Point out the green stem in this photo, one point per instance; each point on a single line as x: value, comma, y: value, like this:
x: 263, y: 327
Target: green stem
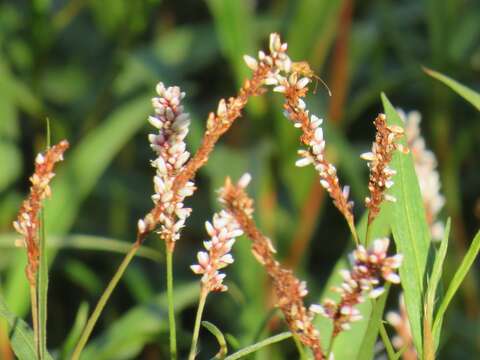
x: 301, y: 350
x: 103, y: 301
x: 198, y: 320
x: 171, y: 308
x: 33, y: 299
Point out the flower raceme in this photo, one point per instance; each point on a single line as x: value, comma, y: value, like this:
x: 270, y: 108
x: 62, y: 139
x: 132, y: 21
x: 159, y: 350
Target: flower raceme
x: 28, y: 222
x: 371, y: 269
x: 289, y: 290
x: 169, y: 145
x: 222, y: 231
x: 291, y: 80
x: 379, y: 159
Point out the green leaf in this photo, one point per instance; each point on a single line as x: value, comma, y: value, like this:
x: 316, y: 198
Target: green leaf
x: 21, y: 335
x: 435, y: 278
x: 462, y: 271
x: 468, y: 94
x: 75, y: 331
x: 220, y: 338
x: 259, y: 345
x: 410, y: 231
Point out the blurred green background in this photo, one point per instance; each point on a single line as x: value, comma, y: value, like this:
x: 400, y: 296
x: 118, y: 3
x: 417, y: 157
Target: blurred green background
x: 91, y: 68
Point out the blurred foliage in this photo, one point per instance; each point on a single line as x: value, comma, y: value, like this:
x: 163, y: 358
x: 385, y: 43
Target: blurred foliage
x: 91, y: 67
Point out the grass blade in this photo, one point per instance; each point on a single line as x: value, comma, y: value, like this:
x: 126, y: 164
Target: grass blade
x: 410, y: 231
x: 220, y: 338
x: 86, y: 243
x: 434, y: 281
x: 21, y: 335
x: 468, y: 94
x: 75, y: 331
x: 259, y: 345
x: 462, y: 271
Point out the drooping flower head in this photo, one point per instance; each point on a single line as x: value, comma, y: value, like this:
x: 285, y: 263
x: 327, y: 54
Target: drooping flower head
x: 28, y: 222
x: 290, y: 291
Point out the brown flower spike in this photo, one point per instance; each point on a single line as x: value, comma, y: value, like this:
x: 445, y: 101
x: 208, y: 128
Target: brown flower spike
x: 378, y: 160
x: 28, y: 222
x: 289, y: 290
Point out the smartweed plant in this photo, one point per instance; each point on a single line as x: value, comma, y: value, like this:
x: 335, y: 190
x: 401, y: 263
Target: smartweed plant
x: 399, y: 241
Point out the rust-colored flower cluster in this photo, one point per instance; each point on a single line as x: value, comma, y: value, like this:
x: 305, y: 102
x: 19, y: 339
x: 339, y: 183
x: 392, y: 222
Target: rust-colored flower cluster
x: 370, y: 270
x: 174, y: 168
x: 378, y: 160
x: 28, y: 222
x: 222, y: 231
x: 288, y: 289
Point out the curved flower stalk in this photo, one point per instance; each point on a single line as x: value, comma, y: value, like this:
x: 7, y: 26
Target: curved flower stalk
x: 291, y: 79
x: 403, y: 338
x: 371, y: 269
x: 378, y: 160
x: 222, y: 231
x: 288, y: 289
x: 425, y: 164
x: 28, y: 222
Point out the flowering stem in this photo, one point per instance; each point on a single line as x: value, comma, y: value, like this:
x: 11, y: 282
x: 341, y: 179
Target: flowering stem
x: 33, y: 299
x: 198, y: 320
x: 171, y: 309
x: 330, y: 345
x: 87, y: 331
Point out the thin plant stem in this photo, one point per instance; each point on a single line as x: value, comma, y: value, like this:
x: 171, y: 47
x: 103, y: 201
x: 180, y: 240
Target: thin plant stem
x: 171, y: 307
x: 387, y: 342
x: 198, y: 320
x: 87, y: 331
x: 301, y: 350
x: 330, y: 345
x: 33, y: 299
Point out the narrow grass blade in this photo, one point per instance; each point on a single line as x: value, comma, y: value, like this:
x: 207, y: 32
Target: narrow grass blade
x: 261, y: 344
x: 75, y: 331
x: 21, y: 335
x: 462, y: 271
x: 386, y: 342
x: 468, y: 94
x: 410, y: 231
x: 86, y: 243
x: 222, y: 352
x: 434, y: 281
